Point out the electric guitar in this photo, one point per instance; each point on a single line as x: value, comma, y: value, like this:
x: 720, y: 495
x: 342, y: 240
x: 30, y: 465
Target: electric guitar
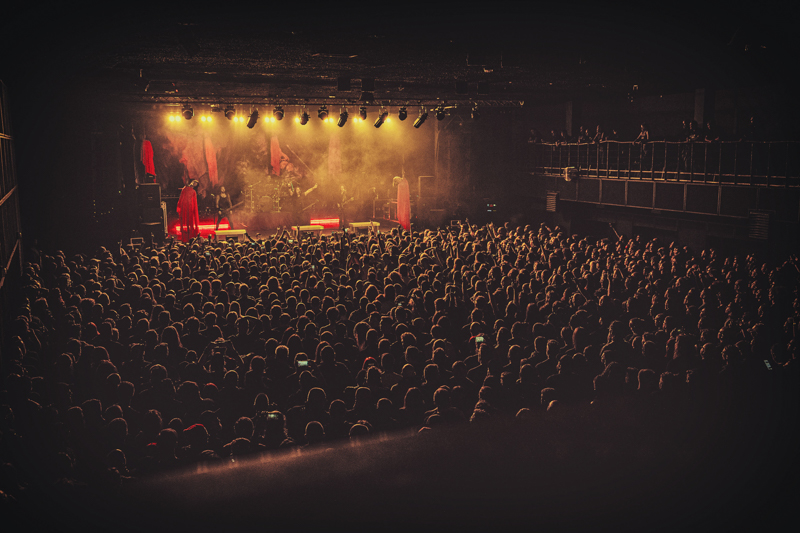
x: 224, y: 212
x: 341, y: 205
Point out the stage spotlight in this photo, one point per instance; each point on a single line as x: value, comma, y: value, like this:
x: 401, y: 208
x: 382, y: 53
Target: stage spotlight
x: 304, y: 118
x: 187, y: 112
x: 402, y: 113
x: 278, y: 113
x: 322, y: 113
x: 381, y: 118
x: 440, y: 113
x: 253, y: 119
x: 230, y: 113
x: 362, y: 112
x: 342, y: 118
x: 423, y: 116
x: 475, y: 113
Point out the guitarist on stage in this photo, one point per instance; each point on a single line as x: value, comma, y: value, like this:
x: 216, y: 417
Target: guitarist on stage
x: 342, y: 204
x: 224, y: 207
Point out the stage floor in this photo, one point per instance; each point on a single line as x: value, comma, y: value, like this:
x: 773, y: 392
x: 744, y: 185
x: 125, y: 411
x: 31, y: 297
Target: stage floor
x: 264, y: 224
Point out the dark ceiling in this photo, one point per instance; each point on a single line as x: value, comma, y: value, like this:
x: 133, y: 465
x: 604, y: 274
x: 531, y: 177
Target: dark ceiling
x: 503, y: 54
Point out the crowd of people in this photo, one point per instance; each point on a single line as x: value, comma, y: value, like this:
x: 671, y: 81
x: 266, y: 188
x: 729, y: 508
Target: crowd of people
x: 135, y: 361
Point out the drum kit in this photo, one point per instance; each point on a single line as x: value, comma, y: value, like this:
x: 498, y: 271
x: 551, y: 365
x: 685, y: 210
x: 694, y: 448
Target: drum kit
x: 268, y: 193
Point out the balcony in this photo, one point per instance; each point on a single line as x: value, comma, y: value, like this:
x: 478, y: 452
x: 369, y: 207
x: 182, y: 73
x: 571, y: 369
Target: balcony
x: 728, y: 179
x: 767, y: 164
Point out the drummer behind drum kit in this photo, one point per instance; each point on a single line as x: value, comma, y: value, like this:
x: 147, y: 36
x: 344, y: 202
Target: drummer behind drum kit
x: 266, y: 194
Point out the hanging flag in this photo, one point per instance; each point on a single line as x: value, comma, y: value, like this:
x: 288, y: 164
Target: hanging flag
x: 211, y: 161
x: 403, y: 203
x: 147, y: 158
x: 275, y: 155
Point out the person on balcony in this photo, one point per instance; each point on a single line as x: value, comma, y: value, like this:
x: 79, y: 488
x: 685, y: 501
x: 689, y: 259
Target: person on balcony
x: 599, y: 138
x: 710, y: 134
x: 644, y: 135
x: 751, y: 132
x: 643, y: 138
x: 534, y: 137
x: 694, y: 134
x: 599, y: 135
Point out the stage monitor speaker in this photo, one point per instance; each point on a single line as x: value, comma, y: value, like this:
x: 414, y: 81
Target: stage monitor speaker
x: 427, y: 186
x: 149, y: 195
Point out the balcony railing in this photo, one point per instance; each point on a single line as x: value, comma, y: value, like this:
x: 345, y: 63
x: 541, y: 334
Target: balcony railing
x: 772, y: 163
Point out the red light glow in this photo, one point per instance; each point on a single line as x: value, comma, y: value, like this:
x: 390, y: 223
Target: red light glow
x: 326, y: 223
x: 207, y: 227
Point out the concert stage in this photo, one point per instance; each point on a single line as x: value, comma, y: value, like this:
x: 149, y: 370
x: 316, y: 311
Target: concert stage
x: 270, y: 222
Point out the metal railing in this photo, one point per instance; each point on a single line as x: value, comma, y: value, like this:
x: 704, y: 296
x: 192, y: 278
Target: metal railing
x: 769, y: 163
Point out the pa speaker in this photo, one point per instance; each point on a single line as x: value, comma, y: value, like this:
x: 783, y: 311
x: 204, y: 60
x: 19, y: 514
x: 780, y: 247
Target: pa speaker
x: 150, y: 195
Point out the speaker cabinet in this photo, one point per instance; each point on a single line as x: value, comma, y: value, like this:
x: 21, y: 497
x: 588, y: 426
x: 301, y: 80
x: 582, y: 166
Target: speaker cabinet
x: 149, y: 195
